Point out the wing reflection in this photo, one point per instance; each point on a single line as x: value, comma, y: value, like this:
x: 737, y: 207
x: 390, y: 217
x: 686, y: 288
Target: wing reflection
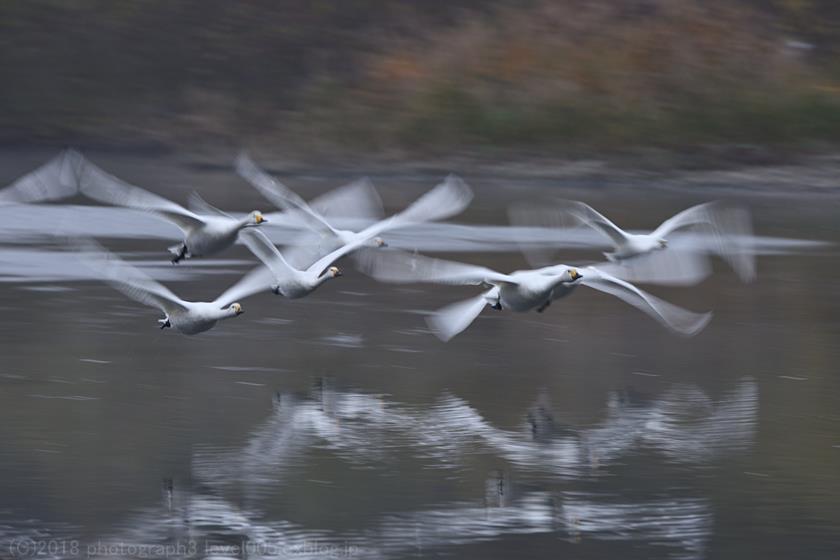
x: 683, y: 424
x: 211, y: 525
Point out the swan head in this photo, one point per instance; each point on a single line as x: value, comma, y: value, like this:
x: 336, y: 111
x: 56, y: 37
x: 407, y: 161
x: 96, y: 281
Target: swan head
x: 379, y: 242
x: 236, y: 309
x: 256, y: 218
x: 574, y: 275
x: 334, y: 272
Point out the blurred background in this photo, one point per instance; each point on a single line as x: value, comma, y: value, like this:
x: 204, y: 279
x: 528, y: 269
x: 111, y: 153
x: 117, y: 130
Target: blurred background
x: 437, y: 77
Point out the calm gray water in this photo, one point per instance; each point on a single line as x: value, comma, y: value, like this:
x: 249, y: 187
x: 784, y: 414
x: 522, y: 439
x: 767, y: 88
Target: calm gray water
x: 337, y: 427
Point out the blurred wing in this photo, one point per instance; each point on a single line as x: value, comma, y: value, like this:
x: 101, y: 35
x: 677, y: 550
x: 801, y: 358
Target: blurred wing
x: 731, y: 236
x: 730, y: 228
x: 447, y: 199
x: 279, y: 194
x: 700, y: 214
x: 673, y: 267
x: 304, y: 249
x: 452, y: 319
x: 400, y: 267
x: 58, y: 178
x: 127, y: 279
x: 264, y: 249
x: 201, y: 206
x: 357, y: 200
x: 548, y: 217
x: 321, y: 264
x: 675, y: 318
x: 257, y: 280
x: 596, y: 220
x: 95, y: 183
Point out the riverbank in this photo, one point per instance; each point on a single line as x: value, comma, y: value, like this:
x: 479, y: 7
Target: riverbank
x: 739, y: 170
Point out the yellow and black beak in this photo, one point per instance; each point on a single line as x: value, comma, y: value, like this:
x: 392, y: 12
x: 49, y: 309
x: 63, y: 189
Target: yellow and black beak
x: 260, y: 219
x: 574, y: 274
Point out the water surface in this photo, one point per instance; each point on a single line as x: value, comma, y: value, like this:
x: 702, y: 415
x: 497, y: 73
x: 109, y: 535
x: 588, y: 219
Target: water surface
x: 338, y: 426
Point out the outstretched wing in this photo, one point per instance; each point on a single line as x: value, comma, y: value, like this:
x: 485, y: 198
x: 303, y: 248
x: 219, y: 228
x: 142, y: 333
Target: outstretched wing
x: 452, y: 319
x: 200, y: 206
x: 58, y: 178
x: 535, y: 219
x: 729, y: 226
x: 262, y: 247
x: 95, y: 183
x: 677, y: 319
x: 127, y: 279
x: 358, y: 201
x: 257, y: 280
x: 595, y: 219
x: 446, y: 199
x: 696, y: 215
x: 279, y: 194
x: 402, y: 268
x: 674, y: 267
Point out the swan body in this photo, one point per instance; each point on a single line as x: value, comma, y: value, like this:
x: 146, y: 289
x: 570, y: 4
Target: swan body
x: 724, y: 227
x: 186, y: 317
x: 532, y: 289
x: 287, y: 280
x: 292, y: 282
x: 724, y: 223
x: 214, y: 234
x: 207, y: 230
x: 519, y: 291
x: 447, y: 199
x: 627, y: 245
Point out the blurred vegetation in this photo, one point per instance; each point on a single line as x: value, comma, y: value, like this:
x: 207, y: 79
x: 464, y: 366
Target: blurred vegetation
x: 437, y: 75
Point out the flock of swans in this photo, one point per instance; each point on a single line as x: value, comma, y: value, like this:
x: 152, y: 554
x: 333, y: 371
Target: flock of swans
x: 309, y: 255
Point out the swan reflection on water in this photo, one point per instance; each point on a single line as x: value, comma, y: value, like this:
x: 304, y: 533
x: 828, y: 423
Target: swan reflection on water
x: 534, y: 495
x: 683, y: 424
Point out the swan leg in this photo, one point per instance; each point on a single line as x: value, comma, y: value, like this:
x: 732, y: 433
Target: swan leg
x: 164, y: 323
x: 544, y: 306
x: 180, y: 254
x: 494, y: 299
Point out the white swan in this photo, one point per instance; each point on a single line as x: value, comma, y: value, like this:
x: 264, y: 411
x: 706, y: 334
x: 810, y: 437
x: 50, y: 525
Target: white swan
x: 292, y: 282
x: 521, y: 290
x: 54, y: 180
x: 449, y: 198
x: 281, y: 196
x: 206, y: 231
x: 724, y: 223
x: 187, y: 317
